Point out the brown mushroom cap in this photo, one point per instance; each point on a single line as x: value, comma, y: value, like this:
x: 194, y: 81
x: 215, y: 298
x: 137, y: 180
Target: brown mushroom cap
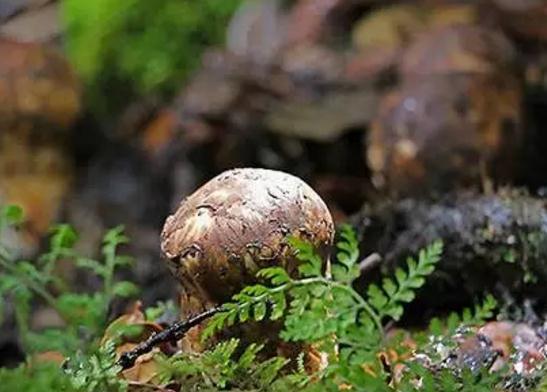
x: 235, y: 224
x: 524, y: 18
x: 39, y: 101
x: 463, y: 48
x: 37, y: 84
x: 438, y: 133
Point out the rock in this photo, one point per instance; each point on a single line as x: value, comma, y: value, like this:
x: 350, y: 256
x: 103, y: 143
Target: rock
x: 491, y: 242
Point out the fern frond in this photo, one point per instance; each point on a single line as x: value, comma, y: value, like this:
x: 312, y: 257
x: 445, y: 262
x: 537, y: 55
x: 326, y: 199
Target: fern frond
x: 389, y: 299
x: 479, y: 315
x: 345, y: 267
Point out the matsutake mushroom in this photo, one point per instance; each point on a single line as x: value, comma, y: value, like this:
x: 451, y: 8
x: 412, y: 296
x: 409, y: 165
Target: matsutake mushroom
x: 446, y: 132
x: 39, y: 102
x: 525, y: 18
x: 234, y: 225
x: 38, y: 88
x: 455, y: 119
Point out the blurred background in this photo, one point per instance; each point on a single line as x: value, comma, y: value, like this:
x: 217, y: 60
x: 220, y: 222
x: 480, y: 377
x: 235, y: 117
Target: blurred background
x: 113, y: 111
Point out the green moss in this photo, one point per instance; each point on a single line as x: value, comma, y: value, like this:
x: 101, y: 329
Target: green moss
x: 141, y: 46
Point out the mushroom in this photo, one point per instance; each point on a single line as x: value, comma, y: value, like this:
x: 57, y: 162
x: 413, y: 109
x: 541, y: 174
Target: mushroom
x: 525, y: 18
x: 446, y: 132
x: 455, y: 119
x: 38, y: 88
x: 236, y: 224
x: 39, y: 102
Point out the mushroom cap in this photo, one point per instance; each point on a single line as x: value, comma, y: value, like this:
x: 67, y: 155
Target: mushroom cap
x: 434, y: 134
x: 37, y: 84
x: 237, y: 223
x: 460, y: 48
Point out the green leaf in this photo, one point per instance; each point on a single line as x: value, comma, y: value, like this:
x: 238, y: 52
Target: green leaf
x: 388, y: 300
x: 125, y: 289
x: 244, y: 313
x: 83, y: 310
x: 376, y: 297
x: 406, y: 296
x: 279, y: 304
x: 486, y: 311
x: 259, y: 311
x: 467, y: 317
x: 453, y: 321
x: 215, y: 324
x: 40, y: 377
x: 63, y: 237
x: 311, y: 264
x: 123, y: 261
x: 249, y: 355
x: 153, y: 313
x: 115, y: 236
x: 276, y: 275
x: 8, y: 283
x: 29, y: 271
x: 269, y: 370
x: 117, y: 331
x: 93, y: 265
x: 11, y: 215
x: 401, y: 276
x: 389, y: 287
x: 435, y: 326
x: 53, y: 340
x: 395, y: 312
x: 345, y: 268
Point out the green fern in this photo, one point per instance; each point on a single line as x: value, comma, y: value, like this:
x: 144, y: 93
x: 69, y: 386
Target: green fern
x: 480, y: 313
x: 314, y: 305
x: 448, y: 381
x: 542, y: 385
x: 324, y: 310
x: 96, y: 372
x: 221, y: 368
x: 84, y: 314
x: 316, y: 308
x: 40, y: 377
x: 388, y: 301
x: 346, y: 269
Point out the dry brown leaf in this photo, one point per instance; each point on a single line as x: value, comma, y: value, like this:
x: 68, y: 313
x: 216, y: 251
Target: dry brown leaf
x: 49, y: 356
x: 134, y: 316
x: 159, y: 133
x: 145, y: 370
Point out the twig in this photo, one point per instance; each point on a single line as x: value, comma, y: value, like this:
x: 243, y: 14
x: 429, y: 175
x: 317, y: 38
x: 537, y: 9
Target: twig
x: 369, y: 262
x: 174, y: 332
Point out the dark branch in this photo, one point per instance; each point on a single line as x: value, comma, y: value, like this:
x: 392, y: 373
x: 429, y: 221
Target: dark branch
x: 173, y: 333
